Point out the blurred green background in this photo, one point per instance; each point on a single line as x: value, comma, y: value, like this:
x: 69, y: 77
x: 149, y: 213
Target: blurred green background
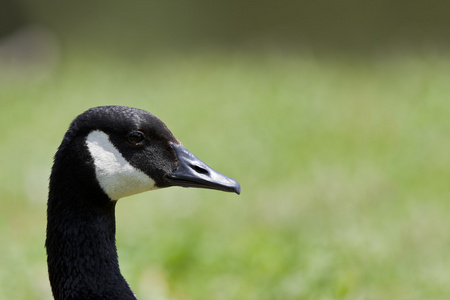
x: 333, y: 115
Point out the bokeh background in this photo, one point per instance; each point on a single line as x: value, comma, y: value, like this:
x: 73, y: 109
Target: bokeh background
x: 333, y: 115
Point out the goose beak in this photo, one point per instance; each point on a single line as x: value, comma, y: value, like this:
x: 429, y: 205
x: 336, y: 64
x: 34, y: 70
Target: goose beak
x: 192, y: 172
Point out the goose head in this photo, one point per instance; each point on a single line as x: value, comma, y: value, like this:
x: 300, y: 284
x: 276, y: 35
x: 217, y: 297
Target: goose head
x: 132, y: 151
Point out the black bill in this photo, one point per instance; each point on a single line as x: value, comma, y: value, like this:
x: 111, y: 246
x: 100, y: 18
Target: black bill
x: 192, y: 172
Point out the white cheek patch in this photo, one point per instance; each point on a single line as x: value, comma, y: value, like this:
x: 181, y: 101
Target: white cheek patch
x: 115, y: 175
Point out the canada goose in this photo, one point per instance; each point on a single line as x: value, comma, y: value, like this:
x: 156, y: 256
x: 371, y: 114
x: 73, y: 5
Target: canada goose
x: 108, y: 153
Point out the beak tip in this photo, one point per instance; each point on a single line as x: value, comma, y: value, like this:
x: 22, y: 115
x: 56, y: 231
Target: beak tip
x: 237, y: 188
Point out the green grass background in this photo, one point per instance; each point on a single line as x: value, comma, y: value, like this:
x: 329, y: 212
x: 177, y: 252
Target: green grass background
x: 344, y: 166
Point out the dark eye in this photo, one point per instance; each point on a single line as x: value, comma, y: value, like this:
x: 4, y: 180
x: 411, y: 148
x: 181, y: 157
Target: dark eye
x: 136, y: 137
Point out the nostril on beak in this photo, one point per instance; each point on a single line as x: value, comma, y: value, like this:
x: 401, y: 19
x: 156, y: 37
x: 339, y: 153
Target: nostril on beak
x: 199, y: 170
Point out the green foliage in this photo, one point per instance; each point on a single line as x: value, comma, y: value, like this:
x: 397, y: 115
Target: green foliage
x: 344, y: 167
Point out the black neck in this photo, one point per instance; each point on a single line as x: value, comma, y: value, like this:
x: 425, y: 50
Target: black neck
x: 81, y: 251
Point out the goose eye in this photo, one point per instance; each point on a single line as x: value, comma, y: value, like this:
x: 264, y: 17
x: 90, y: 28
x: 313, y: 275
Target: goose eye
x: 136, y: 137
